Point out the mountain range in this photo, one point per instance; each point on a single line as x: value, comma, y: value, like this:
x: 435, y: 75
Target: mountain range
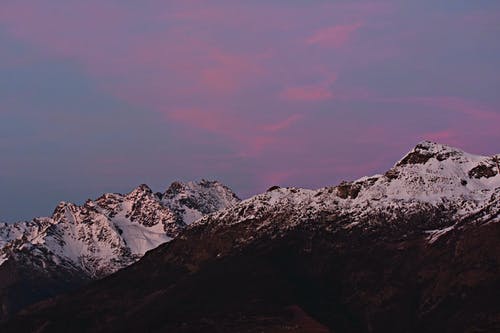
x: 412, y: 250
x: 77, y: 244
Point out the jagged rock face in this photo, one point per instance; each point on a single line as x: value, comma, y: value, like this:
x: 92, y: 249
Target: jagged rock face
x: 98, y: 238
x: 413, y: 251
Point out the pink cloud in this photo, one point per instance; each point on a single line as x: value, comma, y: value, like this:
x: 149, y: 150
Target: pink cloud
x: 308, y: 94
x: 210, y: 120
x: 256, y: 144
x: 201, y: 65
x: 250, y: 137
x: 335, y: 36
x: 284, y: 124
x: 66, y: 30
x: 356, y: 9
x: 229, y: 72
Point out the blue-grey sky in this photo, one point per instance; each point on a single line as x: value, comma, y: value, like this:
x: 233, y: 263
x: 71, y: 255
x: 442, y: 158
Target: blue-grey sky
x: 100, y: 96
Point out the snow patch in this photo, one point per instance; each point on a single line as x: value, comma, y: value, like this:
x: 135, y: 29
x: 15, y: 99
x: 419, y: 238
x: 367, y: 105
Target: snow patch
x: 434, y: 235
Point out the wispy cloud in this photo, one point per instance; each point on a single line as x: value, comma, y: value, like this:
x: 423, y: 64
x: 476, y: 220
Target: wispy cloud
x: 284, y: 124
x: 306, y: 93
x: 334, y: 36
x: 310, y: 93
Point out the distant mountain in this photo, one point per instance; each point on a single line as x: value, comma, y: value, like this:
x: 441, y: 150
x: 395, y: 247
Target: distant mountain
x: 413, y: 250
x: 77, y: 244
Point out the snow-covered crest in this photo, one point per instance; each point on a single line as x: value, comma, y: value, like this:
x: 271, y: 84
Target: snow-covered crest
x: 434, y: 173
x: 430, y: 178
x: 113, y: 231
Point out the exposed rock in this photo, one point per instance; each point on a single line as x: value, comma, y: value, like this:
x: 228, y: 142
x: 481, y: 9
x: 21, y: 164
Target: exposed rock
x: 273, y: 188
x: 348, y: 190
x: 483, y: 170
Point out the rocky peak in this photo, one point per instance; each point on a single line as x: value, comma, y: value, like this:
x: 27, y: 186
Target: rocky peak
x: 437, y: 168
x: 65, y: 212
x: 426, y: 150
x: 110, y: 202
x: 179, y: 189
x: 140, y: 191
x: 209, y: 183
x: 190, y: 201
x: 174, y: 189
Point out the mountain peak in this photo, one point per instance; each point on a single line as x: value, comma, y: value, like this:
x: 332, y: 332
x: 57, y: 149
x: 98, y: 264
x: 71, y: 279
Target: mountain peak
x: 430, y: 172
x: 62, y: 208
x: 426, y: 150
x: 143, y: 188
x: 175, y: 188
x: 140, y: 192
x: 440, y: 159
x: 182, y: 189
x: 427, y: 144
x: 191, y: 200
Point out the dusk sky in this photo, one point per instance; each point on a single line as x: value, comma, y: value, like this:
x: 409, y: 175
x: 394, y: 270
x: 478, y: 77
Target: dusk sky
x: 103, y: 95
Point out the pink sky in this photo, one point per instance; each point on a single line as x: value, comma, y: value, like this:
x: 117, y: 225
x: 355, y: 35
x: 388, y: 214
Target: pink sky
x: 253, y: 93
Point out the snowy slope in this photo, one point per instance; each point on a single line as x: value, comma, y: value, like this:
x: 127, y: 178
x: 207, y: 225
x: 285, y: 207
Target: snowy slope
x: 113, y: 231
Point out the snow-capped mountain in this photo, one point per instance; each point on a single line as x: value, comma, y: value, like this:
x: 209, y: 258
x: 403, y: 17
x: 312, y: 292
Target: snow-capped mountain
x: 104, y: 235
x: 432, y: 179
x: 413, y: 250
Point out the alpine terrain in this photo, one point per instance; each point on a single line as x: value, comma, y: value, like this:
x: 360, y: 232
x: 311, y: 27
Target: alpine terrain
x: 413, y: 250
x: 50, y: 255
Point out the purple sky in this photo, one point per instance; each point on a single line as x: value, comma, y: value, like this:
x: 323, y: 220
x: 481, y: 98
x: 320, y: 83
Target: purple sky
x: 99, y: 96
